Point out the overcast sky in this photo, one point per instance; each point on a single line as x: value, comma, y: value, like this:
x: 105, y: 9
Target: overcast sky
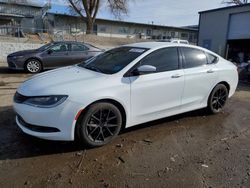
x: 163, y: 12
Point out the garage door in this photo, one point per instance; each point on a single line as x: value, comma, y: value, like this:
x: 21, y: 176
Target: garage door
x: 239, y: 26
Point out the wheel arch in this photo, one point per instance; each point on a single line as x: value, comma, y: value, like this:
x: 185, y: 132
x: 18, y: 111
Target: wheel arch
x: 222, y: 82
x: 108, y: 100
x: 30, y: 58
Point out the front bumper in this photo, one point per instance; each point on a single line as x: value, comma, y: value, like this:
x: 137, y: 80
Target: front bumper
x: 56, y: 123
x: 15, y: 63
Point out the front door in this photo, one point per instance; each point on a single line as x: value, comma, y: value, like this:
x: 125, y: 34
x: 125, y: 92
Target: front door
x: 158, y: 94
x: 57, y: 56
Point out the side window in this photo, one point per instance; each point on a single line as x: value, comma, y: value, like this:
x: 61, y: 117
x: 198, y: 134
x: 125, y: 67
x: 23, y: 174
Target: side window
x: 60, y: 48
x: 194, y: 57
x: 211, y: 59
x: 78, y: 47
x: 164, y: 59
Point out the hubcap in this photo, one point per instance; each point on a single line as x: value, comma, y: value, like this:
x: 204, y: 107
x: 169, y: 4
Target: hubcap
x: 219, y: 99
x: 102, y: 125
x: 33, y: 66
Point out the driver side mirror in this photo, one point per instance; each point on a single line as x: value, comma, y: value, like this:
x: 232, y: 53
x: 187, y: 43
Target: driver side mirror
x: 50, y: 51
x: 144, y: 69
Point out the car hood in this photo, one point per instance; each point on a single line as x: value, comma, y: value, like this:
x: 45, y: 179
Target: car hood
x: 66, y: 81
x: 23, y: 52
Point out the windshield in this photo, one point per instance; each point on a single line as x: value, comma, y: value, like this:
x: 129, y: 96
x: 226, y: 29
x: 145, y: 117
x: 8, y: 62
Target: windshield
x: 45, y: 47
x: 114, y: 60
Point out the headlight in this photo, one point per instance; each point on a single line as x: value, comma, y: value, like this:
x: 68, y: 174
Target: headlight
x: 18, y: 57
x: 46, y: 101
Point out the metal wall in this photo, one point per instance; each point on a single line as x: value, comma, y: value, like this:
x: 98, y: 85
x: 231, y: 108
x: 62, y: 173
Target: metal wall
x: 19, y: 9
x: 214, y: 28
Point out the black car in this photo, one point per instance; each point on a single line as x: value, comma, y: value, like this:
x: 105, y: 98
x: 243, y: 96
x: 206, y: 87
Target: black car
x: 52, y: 55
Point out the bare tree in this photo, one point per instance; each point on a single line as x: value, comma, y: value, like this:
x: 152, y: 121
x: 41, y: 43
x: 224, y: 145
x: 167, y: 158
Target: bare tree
x: 236, y: 2
x: 88, y: 9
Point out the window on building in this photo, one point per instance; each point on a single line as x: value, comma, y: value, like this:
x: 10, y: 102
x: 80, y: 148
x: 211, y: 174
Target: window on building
x: 194, y: 57
x: 149, y: 32
x: 173, y: 34
x: 184, y: 35
x: 190, y: 37
x: 137, y: 31
x: 123, y: 30
x: 164, y: 59
x: 103, y: 28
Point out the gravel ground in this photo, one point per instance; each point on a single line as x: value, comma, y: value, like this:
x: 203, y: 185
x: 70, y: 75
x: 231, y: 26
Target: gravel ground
x: 189, y: 150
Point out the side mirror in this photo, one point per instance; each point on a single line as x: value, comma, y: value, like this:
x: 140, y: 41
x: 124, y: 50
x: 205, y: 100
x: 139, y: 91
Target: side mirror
x: 50, y: 51
x: 144, y: 69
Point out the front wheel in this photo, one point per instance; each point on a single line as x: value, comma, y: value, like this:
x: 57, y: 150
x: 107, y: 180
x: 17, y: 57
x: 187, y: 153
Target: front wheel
x: 217, y: 99
x: 33, y: 66
x: 100, y: 124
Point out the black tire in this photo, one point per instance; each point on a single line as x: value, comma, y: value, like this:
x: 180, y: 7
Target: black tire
x: 217, y: 99
x: 33, y: 66
x: 99, y: 125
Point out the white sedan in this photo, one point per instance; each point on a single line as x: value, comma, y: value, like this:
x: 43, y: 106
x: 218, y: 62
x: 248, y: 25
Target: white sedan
x: 123, y: 87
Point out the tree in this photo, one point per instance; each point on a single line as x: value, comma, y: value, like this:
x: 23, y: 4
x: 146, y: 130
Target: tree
x: 88, y: 9
x: 236, y: 2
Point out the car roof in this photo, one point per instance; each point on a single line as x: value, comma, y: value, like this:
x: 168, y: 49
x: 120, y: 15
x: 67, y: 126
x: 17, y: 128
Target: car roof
x: 154, y: 45
x: 59, y: 42
x: 157, y: 45
x: 75, y: 42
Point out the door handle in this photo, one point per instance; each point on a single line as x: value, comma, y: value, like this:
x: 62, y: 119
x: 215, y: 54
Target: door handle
x: 210, y: 71
x: 176, y: 76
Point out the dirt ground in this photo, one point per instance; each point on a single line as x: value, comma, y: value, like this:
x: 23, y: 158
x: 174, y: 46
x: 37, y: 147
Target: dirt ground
x: 189, y: 150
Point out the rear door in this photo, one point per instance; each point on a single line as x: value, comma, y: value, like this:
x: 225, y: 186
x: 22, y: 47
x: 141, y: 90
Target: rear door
x: 200, y: 77
x: 158, y: 94
x: 79, y: 52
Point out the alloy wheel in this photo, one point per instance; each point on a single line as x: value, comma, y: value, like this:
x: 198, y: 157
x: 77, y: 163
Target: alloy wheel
x: 219, y: 99
x: 102, y: 125
x: 33, y: 66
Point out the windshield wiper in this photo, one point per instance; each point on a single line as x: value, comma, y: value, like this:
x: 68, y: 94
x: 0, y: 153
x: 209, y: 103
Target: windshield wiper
x: 93, y: 68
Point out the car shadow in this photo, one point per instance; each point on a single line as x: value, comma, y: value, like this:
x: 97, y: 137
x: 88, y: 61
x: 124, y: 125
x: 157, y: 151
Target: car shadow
x: 175, y: 118
x: 243, y: 86
x: 6, y: 70
x: 14, y: 144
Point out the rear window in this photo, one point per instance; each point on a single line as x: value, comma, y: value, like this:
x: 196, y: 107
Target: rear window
x: 78, y: 47
x: 194, y: 57
x: 211, y: 58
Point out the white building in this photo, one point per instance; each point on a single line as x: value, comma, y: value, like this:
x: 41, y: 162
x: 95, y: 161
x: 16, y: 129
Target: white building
x: 110, y: 28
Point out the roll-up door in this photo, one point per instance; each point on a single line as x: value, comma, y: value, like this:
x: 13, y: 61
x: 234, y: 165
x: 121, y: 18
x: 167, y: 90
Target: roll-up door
x: 239, y: 26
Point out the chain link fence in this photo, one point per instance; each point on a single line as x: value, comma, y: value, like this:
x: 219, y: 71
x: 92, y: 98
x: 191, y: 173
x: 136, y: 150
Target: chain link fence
x: 21, y: 34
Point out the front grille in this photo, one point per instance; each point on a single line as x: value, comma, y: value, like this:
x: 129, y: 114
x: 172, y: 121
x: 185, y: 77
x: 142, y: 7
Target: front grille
x: 36, y: 128
x: 18, y: 98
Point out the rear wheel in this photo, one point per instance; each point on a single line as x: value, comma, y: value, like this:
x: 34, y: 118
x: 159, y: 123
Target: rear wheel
x: 33, y: 66
x: 100, y: 124
x: 217, y: 99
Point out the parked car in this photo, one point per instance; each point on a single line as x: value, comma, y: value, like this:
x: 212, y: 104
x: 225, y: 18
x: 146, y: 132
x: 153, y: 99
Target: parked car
x: 123, y: 87
x: 178, y: 41
x: 52, y: 55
